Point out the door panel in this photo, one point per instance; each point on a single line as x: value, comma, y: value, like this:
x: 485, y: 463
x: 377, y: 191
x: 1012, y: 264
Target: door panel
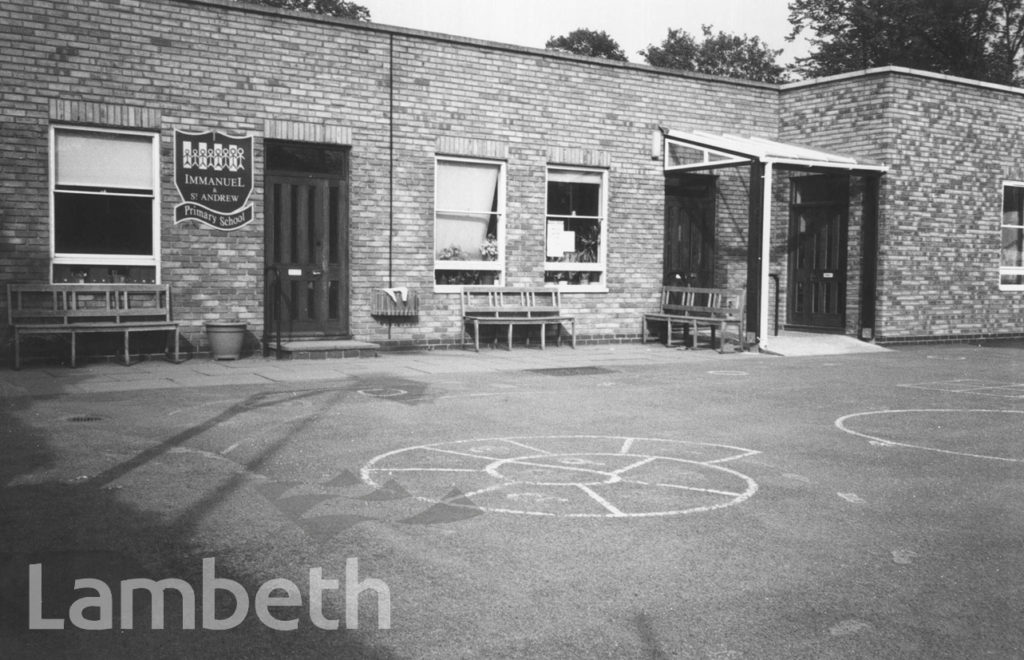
x: 690, y: 229
x: 306, y: 218
x: 817, y: 276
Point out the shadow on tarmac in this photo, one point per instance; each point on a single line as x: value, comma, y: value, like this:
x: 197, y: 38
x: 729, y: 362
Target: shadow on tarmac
x: 82, y: 528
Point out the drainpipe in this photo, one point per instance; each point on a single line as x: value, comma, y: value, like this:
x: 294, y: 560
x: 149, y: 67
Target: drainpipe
x: 775, y: 278
x: 391, y: 164
x: 391, y: 156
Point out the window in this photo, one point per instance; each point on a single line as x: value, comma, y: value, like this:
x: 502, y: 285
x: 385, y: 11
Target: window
x: 575, y: 234
x: 1011, y: 264
x: 104, y: 206
x: 469, y: 223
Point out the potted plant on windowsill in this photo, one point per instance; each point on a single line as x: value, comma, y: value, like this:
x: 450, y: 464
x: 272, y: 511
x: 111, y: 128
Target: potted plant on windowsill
x: 226, y: 338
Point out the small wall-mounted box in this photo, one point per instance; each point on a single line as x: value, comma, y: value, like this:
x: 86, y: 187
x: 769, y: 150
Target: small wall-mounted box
x: 395, y: 302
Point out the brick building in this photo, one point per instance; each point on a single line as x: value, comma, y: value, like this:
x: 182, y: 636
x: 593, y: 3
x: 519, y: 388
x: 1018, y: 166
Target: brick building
x: 348, y: 158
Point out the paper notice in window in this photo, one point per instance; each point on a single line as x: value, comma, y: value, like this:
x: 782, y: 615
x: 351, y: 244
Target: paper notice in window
x: 560, y: 241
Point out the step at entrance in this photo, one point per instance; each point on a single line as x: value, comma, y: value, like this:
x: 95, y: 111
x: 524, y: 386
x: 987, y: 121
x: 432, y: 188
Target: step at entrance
x: 321, y: 349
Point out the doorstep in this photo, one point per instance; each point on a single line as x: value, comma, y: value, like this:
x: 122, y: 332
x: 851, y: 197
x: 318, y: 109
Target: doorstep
x: 322, y: 349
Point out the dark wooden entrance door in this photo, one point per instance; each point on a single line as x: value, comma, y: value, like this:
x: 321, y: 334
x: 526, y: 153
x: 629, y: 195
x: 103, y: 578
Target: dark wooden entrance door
x: 817, y: 254
x: 307, y: 239
x: 690, y: 229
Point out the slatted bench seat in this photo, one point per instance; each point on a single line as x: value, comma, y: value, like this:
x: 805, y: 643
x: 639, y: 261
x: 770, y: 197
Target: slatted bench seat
x: 513, y: 306
x: 692, y: 308
x: 74, y: 309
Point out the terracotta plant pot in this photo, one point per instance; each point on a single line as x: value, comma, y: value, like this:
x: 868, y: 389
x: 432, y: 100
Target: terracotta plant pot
x: 226, y: 339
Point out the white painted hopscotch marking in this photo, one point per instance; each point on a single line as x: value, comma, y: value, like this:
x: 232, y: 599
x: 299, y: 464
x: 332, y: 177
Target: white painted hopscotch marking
x: 600, y: 500
x: 570, y: 476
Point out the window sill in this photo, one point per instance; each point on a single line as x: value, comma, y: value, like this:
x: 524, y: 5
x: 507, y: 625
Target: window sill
x: 579, y: 288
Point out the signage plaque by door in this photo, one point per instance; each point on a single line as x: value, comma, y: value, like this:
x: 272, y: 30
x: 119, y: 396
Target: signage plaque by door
x: 213, y: 175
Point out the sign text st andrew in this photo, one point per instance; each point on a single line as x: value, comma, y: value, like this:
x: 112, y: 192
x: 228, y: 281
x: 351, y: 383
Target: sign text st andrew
x: 213, y: 174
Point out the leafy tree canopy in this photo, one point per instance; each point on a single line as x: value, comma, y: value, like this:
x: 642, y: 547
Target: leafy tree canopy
x: 719, y: 54
x: 979, y: 39
x: 588, y: 42
x: 339, y: 8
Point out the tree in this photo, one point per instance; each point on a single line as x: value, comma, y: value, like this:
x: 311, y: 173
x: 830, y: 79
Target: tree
x: 719, y: 54
x: 338, y: 8
x: 979, y: 39
x: 588, y: 42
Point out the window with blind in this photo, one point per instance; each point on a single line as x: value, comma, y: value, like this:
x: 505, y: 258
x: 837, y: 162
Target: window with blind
x: 1011, y: 264
x: 104, y: 206
x: 575, y: 228
x: 469, y: 222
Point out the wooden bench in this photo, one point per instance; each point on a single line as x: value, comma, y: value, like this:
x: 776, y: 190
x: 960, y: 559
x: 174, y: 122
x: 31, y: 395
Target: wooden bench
x: 513, y: 306
x: 74, y: 309
x: 692, y: 308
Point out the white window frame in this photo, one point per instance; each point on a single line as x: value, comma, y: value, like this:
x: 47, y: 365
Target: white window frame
x: 86, y: 259
x: 599, y: 266
x: 498, y: 265
x: 1008, y: 270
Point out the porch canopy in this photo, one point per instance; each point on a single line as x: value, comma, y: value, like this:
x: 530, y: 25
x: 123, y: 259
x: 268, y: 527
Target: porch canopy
x: 702, y: 150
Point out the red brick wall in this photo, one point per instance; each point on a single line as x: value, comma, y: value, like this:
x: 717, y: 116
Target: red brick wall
x: 173, y: 64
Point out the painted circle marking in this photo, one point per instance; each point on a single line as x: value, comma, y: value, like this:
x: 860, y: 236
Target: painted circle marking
x: 537, y: 463
x: 569, y: 476
x: 383, y: 392
x: 841, y: 424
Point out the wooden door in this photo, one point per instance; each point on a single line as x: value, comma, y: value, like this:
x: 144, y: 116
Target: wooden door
x: 307, y: 246
x: 690, y: 230
x: 817, y: 258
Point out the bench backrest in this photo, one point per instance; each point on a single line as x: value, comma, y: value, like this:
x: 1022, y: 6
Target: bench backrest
x: 727, y: 304
x: 497, y: 300
x: 70, y: 303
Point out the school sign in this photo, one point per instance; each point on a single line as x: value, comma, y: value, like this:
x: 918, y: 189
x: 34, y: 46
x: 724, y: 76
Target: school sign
x: 213, y: 175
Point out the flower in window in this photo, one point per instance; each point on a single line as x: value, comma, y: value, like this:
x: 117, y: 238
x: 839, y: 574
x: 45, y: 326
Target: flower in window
x: 489, y: 250
x: 453, y: 253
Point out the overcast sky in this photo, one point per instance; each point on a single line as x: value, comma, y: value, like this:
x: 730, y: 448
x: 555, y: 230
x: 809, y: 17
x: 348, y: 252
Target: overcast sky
x: 634, y: 24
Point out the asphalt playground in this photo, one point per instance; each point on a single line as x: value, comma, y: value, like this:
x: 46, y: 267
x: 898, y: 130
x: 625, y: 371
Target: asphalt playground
x: 618, y: 501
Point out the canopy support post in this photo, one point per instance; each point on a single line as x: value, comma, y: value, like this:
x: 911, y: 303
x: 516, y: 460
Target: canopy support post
x: 766, y: 256
x: 869, y: 261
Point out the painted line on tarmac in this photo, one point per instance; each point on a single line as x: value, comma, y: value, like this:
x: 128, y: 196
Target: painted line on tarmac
x: 600, y: 500
x: 884, y: 442
x: 996, y: 389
